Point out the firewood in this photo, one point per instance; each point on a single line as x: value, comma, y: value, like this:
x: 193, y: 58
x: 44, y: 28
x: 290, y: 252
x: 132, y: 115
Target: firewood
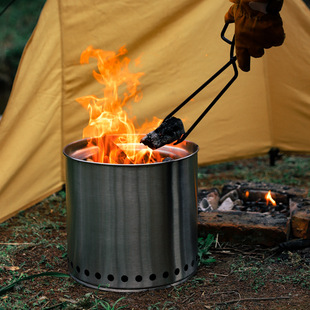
x: 213, y: 199
x: 227, y: 205
x: 208, y: 199
x: 93, y: 153
x: 85, y: 153
x: 233, y: 195
x: 294, y: 245
x: 109, y: 146
x: 204, y: 206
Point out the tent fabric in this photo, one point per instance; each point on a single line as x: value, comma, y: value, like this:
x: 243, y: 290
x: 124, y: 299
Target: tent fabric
x: 180, y: 47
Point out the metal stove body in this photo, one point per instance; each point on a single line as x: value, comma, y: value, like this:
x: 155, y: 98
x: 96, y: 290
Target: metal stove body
x: 132, y: 227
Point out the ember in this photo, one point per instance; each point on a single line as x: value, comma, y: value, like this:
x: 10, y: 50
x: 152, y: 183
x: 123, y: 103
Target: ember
x: 110, y: 128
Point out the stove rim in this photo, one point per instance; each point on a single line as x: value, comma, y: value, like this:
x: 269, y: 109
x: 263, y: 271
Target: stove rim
x: 81, y: 141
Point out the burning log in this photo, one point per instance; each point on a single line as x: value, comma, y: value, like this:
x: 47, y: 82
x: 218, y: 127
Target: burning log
x: 100, y: 150
x: 257, y: 191
x: 168, y: 131
x: 112, y: 150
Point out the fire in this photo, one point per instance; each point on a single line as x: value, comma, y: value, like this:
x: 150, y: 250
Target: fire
x: 269, y: 198
x: 110, y: 128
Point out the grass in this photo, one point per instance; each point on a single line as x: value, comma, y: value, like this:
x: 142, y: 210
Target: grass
x: 252, y: 271
x: 162, y: 306
x: 34, y: 242
x: 293, y: 170
x: 17, y: 24
x: 91, y: 301
x: 204, y: 254
x: 257, y: 273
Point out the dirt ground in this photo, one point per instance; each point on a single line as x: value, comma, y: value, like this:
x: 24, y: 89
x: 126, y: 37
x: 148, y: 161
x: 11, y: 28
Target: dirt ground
x: 242, y: 277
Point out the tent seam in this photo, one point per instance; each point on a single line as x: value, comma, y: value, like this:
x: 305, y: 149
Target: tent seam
x: 62, y: 93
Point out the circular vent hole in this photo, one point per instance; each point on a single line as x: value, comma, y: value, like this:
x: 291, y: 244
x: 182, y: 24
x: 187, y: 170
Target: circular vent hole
x: 166, y: 274
x: 152, y: 277
x: 124, y: 278
x: 177, y: 271
x: 98, y: 275
x: 139, y: 278
x: 186, y: 267
x: 86, y: 272
x: 110, y: 277
x: 78, y: 269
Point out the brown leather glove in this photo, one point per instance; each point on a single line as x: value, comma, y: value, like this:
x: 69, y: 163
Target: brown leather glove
x: 258, y: 25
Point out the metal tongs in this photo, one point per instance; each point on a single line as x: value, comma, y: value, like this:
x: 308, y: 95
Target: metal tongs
x: 174, y: 126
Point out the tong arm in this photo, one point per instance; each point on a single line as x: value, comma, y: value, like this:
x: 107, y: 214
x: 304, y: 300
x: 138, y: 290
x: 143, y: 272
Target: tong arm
x: 232, y: 61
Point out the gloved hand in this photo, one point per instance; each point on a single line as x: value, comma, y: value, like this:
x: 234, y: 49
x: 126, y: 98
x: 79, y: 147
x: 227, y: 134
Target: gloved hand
x: 258, y: 25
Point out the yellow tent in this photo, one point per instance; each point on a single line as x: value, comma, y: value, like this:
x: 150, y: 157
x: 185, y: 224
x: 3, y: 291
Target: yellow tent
x: 180, y: 47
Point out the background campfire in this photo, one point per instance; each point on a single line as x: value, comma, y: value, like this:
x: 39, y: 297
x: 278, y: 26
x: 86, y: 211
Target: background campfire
x: 255, y: 213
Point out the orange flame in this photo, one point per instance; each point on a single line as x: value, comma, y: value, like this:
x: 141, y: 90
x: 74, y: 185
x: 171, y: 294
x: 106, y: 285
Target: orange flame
x: 269, y: 198
x: 109, y: 126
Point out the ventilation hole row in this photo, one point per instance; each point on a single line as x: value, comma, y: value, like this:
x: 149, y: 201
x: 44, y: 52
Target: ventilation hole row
x: 138, y: 278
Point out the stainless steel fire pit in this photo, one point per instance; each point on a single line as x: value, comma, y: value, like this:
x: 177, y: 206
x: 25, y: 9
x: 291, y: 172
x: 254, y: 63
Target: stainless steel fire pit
x: 132, y: 227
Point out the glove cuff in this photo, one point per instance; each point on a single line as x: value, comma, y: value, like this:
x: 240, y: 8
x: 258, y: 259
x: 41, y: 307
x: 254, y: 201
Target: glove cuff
x: 274, y: 6
x: 258, y: 8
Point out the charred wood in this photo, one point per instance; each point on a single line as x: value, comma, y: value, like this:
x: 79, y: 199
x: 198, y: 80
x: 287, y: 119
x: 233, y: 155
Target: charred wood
x: 169, y: 131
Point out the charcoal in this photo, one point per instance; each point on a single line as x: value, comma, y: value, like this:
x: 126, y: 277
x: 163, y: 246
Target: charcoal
x: 168, y: 131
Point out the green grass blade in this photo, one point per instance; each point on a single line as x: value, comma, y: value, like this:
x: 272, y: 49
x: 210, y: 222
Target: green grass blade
x: 5, y: 289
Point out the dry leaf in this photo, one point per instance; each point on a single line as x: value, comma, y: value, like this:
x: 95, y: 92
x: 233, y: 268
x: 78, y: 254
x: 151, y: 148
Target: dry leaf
x: 11, y: 268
